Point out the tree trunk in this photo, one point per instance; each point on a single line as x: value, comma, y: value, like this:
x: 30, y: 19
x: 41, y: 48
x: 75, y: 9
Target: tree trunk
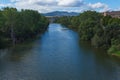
x: 13, y: 35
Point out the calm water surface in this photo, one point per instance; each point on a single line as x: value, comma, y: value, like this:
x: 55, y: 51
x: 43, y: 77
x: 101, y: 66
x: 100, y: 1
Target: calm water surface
x: 57, y: 55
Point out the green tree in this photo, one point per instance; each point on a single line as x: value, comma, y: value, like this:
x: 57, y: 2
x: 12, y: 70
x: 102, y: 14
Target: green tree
x: 102, y: 31
x: 17, y: 26
x: 10, y: 15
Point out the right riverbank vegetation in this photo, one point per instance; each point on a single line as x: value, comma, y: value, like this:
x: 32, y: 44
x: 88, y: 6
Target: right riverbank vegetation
x: 101, y: 31
x: 18, y: 26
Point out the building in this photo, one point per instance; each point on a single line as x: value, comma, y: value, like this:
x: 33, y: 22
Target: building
x: 114, y: 14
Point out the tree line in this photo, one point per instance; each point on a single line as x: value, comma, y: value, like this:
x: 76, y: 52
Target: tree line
x: 101, y: 31
x: 17, y: 26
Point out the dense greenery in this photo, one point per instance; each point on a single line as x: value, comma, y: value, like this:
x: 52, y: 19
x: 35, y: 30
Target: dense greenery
x: 17, y: 26
x: 102, y: 31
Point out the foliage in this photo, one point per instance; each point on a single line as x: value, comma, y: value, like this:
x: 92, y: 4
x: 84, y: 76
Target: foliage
x: 102, y: 31
x: 17, y: 26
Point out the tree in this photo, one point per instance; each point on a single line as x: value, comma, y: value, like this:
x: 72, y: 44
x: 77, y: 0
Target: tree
x: 10, y: 15
x: 102, y: 31
x: 17, y: 26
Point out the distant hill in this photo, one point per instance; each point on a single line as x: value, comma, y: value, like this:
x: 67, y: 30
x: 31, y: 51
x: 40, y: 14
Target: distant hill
x: 61, y: 13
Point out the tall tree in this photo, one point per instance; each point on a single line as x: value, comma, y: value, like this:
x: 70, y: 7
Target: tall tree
x: 10, y: 15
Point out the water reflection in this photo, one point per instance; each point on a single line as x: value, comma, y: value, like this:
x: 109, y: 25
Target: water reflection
x: 101, y: 63
x: 57, y: 55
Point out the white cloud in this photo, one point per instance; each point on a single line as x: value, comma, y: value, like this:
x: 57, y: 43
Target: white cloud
x: 14, y: 0
x: 5, y: 5
x: 70, y: 3
x: 45, y: 2
x: 98, y: 5
x: 41, y: 6
x: 55, y: 5
x: 47, y: 5
x: 117, y: 9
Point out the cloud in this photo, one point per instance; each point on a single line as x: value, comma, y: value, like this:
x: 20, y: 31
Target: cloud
x: 14, y: 0
x: 47, y: 5
x: 45, y: 2
x: 117, y: 9
x: 55, y: 5
x: 70, y: 3
x: 98, y: 5
x: 5, y: 5
x: 50, y: 3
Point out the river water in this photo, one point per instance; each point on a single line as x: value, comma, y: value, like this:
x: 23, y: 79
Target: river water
x: 57, y: 55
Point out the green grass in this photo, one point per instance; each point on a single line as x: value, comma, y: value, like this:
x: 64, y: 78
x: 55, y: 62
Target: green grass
x: 118, y: 53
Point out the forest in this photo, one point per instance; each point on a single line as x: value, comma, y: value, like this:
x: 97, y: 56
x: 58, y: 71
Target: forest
x: 17, y: 26
x: 101, y: 31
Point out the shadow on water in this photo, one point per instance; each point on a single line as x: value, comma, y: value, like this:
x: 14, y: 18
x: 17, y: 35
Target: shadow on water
x: 98, y: 52
x: 57, y: 55
x: 100, y: 62
x: 19, y: 51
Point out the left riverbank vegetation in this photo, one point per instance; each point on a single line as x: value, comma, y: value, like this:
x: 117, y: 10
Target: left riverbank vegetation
x: 18, y: 26
x: 101, y: 31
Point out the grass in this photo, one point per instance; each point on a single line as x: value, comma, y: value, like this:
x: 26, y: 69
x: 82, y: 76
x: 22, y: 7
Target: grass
x: 117, y: 54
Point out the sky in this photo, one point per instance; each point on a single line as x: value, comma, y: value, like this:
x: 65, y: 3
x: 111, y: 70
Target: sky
x: 44, y: 6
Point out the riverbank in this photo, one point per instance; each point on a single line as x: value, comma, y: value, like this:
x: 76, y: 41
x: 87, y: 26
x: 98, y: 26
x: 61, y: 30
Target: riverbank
x: 117, y: 54
x: 19, y: 26
x: 57, y: 55
x: 101, y: 31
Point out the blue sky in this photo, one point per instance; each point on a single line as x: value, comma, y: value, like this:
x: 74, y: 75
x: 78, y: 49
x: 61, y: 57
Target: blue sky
x: 44, y: 6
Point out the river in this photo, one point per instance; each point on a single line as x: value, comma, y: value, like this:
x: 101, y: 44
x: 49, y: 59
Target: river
x: 57, y: 55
